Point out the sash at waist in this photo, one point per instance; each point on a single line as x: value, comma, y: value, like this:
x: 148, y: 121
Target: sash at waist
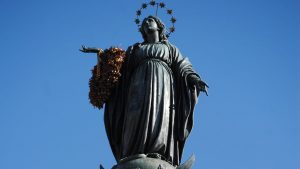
x: 152, y: 59
x: 164, y: 64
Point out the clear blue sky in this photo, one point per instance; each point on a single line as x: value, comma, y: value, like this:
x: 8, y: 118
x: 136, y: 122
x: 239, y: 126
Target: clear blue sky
x: 247, y: 51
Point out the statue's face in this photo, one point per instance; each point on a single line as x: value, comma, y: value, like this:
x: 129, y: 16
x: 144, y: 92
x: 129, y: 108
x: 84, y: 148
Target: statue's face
x: 150, y: 26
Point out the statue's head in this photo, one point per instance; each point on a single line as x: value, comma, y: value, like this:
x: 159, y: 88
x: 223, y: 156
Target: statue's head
x: 152, y: 23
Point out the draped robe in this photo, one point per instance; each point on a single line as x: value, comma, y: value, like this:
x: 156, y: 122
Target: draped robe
x: 151, y: 109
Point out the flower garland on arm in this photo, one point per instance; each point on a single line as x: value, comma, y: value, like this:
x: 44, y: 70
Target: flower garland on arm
x: 105, y: 75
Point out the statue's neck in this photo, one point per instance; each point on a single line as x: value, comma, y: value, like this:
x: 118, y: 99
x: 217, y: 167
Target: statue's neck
x: 153, y: 37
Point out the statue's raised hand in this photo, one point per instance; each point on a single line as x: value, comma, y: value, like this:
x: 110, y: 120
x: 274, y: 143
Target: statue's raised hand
x: 85, y: 49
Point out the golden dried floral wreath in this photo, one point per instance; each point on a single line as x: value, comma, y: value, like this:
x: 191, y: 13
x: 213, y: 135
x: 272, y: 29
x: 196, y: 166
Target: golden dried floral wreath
x: 153, y: 3
x: 105, y: 75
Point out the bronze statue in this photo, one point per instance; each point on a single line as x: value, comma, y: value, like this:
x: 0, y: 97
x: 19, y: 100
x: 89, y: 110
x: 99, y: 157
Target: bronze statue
x: 150, y: 112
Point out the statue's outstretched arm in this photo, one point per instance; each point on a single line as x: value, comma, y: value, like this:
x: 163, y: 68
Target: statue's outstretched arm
x: 85, y: 49
x: 98, y: 51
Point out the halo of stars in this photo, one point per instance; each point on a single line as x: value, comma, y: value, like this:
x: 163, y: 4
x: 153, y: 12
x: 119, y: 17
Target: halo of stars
x: 162, y: 5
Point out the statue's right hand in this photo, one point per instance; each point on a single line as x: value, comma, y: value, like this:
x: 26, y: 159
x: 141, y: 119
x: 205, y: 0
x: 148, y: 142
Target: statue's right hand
x: 89, y: 50
x: 83, y: 49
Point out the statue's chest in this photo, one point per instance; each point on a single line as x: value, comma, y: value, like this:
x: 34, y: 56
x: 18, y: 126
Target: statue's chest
x: 158, y: 51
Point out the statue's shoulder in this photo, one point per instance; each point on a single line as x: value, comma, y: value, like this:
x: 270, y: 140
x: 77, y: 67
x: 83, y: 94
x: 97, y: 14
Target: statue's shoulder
x: 135, y: 45
x: 131, y: 48
x: 171, y: 46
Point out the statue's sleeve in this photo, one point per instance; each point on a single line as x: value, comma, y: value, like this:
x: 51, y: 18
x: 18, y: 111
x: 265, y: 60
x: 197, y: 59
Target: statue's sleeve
x: 185, y: 95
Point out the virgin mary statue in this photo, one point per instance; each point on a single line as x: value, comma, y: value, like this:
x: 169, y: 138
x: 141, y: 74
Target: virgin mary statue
x: 150, y: 112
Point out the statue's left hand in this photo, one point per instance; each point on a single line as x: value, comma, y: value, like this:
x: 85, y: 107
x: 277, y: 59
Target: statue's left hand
x: 202, y: 87
x: 198, y: 83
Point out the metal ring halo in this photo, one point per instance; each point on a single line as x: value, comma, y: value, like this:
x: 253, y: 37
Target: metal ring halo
x: 153, y: 3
